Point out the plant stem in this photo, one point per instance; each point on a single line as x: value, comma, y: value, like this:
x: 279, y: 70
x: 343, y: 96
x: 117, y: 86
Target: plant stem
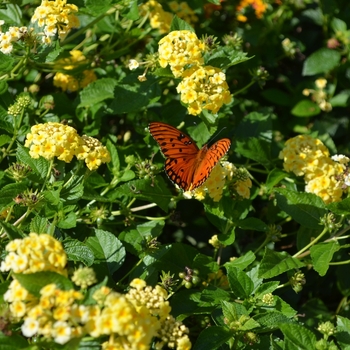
x: 325, y: 230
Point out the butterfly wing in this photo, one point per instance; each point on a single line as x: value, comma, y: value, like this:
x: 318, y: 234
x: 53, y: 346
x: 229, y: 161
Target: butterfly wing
x: 208, y: 159
x: 180, y: 151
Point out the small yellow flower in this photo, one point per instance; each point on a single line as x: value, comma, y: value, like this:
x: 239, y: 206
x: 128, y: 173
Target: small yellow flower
x: 180, y: 48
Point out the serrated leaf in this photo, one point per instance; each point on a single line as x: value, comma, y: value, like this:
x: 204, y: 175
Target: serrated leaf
x: 233, y: 311
x: 69, y: 221
x: 321, y: 61
x: 242, y: 262
x: 305, y: 208
x: 12, y: 231
x: 340, y: 208
x: 299, y: 336
x: 256, y: 149
x: 322, y: 254
x: 252, y: 224
x: 274, y: 177
x: 40, y: 166
x: 274, y: 264
x: 13, y: 341
x: 39, y: 225
x: 156, y: 192
x: 97, y: 91
x: 306, y: 108
x: 267, y: 287
x: 342, y: 333
x: 272, y: 319
x: 4, y: 139
x: 107, y: 249
x: 73, y: 189
x: 34, y: 282
x: 212, y: 338
x: 114, y: 164
x: 9, y: 192
x: 179, y: 24
x: 78, y: 251
x: 240, y: 284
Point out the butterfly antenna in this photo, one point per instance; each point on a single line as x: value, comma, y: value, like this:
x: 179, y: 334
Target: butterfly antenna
x: 216, y: 136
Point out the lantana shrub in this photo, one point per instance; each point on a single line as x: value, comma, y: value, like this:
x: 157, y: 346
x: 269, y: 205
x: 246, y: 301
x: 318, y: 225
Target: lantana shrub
x: 100, y: 249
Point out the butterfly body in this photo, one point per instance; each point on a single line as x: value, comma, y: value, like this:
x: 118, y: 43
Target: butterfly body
x: 187, y: 165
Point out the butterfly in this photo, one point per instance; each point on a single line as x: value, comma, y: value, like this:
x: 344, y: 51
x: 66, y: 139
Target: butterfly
x: 186, y: 165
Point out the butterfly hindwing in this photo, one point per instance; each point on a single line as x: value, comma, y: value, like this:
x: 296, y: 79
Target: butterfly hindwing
x: 211, y: 157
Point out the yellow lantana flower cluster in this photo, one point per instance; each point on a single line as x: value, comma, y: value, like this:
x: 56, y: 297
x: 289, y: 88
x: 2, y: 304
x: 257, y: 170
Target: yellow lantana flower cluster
x: 224, y: 173
x: 202, y: 87
x: 57, y: 17
x: 70, y: 82
x: 258, y: 6
x: 33, y: 254
x: 62, y: 141
x: 134, y: 319
x: 319, y: 95
x: 309, y: 157
x: 12, y: 35
x: 161, y: 19
x: 179, y: 49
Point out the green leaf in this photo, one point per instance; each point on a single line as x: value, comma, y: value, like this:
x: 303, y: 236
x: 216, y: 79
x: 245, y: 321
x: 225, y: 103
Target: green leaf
x: 224, y: 57
x: 13, y: 341
x: 73, y: 189
x: 133, y: 10
x: 39, y: 225
x: 179, y: 24
x: 146, y: 190
x: 130, y: 96
x: 78, y: 251
x: 97, y: 91
x: 11, y: 191
x: 69, y: 221
x: 12, y: 15
x: 321, y: 61
x: 341, y: 99
x: 305, y: 208
x: 252, y: 224
x: 254, y: 125
x: 107, y: 249
x: 340, y: 208
x: 298, y: 336
x: 272, y: 320
x: 34, y: 282
x: 277, y: 97
x: 282, y: 306
x: 274, y: 177
x: 4, y: 139
x: 256, y: 149
x: 343, y: 332
x: 134, y: 238
x: 114, y: 164
x: 306, y: 108
x: 240, y: 284
x: 12, y: 231
x: 40, y: 166
x: 212, y: 338
x: 274, y: 264
x: 338, y: 25
x: 264, y: 288
x: 322, y: 254
x: 242, y: 262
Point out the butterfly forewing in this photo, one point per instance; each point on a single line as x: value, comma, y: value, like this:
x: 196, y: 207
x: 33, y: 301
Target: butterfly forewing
x: 186, y: 164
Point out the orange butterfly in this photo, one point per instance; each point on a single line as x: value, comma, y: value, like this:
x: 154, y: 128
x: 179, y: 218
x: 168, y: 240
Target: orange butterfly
x: 186, y: 165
